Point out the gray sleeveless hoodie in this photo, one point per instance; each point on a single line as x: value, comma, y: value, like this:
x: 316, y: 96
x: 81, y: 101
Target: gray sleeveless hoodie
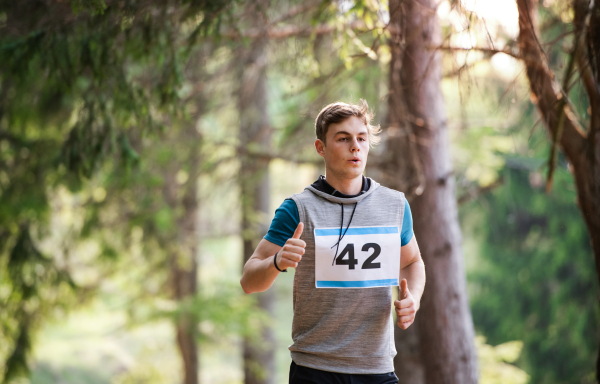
x: 343, y: 330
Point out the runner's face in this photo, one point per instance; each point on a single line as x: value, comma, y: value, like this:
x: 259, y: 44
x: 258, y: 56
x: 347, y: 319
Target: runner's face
x: 347, y: 148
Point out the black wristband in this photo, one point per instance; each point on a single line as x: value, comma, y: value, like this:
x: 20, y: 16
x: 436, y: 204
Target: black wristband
x: 275, y: 262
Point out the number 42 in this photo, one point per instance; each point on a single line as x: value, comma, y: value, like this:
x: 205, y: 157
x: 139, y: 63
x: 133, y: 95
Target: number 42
x: 351, y: 261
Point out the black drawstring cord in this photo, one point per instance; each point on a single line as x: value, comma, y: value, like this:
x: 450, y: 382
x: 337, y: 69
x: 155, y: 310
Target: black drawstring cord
x: 341, y: 227
x: 340, y: 236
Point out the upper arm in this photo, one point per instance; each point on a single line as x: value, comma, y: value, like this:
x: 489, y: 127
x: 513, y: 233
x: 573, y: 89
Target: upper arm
x: 284, y: 223
x: 409, y: 253
x: 265, y: 249
x: 282, y: 228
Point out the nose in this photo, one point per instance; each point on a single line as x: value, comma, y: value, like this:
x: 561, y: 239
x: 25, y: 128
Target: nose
x: 354, y: 147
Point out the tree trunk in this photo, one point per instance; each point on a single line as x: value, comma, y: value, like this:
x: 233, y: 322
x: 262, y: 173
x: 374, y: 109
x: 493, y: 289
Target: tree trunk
x: 407, y: 363
x: 444, y: 349
x: 184, y: 277
x: 183, y: 249
x: 401, y: 173
x: 582, y: 148
x: 255, y: 137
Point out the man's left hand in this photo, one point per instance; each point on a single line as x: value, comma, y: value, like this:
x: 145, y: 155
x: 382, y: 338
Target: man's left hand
x: 406, y: 306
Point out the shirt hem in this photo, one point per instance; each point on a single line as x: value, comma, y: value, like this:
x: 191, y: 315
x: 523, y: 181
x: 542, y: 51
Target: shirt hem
x: 345, y: 364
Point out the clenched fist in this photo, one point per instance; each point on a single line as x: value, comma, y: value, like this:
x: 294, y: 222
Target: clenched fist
x: 406, y: 306
x: 292, y: 251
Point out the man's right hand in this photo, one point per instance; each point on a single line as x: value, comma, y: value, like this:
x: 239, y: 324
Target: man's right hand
x: 292, y: 251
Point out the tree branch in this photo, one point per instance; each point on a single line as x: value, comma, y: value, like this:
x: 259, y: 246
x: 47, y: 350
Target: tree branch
x: 544, y: 86
x: 294, y: 11
x: 586, y: 19
x: 562, y: 110
x: 471, y: 195
x: 488, y: 51
x: 290, y: 31
x: 260, y: 154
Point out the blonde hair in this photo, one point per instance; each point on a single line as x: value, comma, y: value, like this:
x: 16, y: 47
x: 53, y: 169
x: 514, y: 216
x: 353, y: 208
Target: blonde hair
x: 339, y: 111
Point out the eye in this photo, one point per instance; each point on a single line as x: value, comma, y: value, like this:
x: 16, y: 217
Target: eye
x: 343, y: 139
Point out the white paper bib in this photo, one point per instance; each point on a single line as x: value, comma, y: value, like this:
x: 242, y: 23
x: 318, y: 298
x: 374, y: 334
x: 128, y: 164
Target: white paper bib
x: 367, y: 257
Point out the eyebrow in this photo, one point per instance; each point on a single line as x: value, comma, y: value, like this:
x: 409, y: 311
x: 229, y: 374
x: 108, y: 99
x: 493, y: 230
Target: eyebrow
x: 348, y: 133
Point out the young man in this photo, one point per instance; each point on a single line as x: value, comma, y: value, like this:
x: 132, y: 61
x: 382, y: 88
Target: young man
x: 344, y: 235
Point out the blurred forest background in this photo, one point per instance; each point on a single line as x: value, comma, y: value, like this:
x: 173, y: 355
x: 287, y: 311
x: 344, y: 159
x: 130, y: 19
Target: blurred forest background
x: 145, y: 145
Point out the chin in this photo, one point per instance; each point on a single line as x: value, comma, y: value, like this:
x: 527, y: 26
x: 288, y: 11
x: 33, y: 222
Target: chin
x: 348, y: 172
x: 353, y: 173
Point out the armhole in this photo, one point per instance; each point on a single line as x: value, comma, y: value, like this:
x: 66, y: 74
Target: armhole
x: 301, y: 216
x: 401, y: 212
x: 300, y: 208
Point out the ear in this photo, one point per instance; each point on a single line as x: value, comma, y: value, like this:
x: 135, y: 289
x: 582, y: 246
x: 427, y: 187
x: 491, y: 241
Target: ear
x: 320, y: 147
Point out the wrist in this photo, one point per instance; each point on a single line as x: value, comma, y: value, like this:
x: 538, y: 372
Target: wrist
x: 275, y: 263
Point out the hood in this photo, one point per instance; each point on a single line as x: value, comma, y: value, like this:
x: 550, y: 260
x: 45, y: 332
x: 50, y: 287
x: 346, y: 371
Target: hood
x: 373, y: 185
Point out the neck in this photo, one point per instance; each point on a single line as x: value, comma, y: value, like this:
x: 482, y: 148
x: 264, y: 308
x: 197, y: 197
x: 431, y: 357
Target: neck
x: 346, y: 186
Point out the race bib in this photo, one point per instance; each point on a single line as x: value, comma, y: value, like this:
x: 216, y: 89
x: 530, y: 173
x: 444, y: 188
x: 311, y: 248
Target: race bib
x: 367, y: 257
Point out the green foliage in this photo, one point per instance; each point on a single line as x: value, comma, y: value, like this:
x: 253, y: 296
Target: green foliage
x: 223, y: 313
x: 535, y: 278
x: 141, y: 375
x: 482, y: 162
x: 77, y: 80
x: 102, y: 96
x: 93, y: 71
x: 31, y: 286
x: 530, y: 265
x: 495, y: 363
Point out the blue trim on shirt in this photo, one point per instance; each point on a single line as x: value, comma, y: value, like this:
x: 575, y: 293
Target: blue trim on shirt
x: 287, y: 218
x: 356, y: 284
x: 356, y: 231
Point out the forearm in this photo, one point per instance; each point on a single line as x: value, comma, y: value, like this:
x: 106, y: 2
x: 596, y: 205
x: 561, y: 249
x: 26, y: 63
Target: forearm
x: 414, y: 274
x: 258, y: 275
x: 260, y: 272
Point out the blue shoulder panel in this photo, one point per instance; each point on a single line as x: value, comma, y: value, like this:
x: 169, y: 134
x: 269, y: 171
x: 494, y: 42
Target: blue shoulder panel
x: 406, y: 233
x: 287, y: 218
x: 284, y: 223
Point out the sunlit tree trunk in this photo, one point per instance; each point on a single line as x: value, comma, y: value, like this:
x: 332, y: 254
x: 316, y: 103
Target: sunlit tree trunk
x: 440, y: 348
x: 180, y: 192
x: 181, y: 195
x: 580, y: 146
x: 186, y: 273
x: 184, y: 277
x: 255, y: 137
x: 183, y: 281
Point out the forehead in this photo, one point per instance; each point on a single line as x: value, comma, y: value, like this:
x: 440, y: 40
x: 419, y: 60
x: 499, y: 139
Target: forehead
x: 353, y: 125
